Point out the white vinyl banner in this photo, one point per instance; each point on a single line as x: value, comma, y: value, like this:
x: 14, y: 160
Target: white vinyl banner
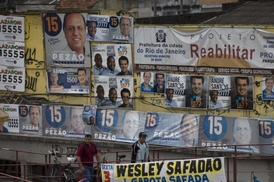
x: 204, y: 169
x: 247, y: 51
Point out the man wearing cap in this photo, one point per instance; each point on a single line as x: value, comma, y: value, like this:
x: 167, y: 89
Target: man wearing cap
x: 140, y: 149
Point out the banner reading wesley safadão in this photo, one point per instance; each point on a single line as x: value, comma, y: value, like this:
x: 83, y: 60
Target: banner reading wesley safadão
x: 210, y: 169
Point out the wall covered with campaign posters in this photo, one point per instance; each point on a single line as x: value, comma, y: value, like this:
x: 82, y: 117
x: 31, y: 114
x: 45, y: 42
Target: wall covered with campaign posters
x: 214, y: 133
x: 197, y: 91
x: 68, y: 80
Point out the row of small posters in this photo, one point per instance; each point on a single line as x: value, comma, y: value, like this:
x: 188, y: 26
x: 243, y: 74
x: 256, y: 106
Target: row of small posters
x: 224, y: 92
x: 12, y: 33
x: 165, y: 129
x: 12, y: 53
x: 67, y: 50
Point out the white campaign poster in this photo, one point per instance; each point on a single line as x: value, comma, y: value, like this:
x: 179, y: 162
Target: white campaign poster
x: 12, y: 53
x: 12, y: 28
x: 12, y: 78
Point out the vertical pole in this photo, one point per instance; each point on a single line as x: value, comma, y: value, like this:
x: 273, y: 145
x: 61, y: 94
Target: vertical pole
x: 16, y: 163
x: 181, y: 7
x: 235, y: 164
x: 105, y: 4
x: 154, y: 8
x: 227, y: 169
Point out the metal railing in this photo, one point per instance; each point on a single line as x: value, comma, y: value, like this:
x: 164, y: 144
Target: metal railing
x: 20, y: 172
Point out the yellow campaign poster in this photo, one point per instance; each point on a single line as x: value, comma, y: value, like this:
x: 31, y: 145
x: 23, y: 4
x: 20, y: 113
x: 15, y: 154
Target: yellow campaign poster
x: 34, y: 42
x: 202, y: 170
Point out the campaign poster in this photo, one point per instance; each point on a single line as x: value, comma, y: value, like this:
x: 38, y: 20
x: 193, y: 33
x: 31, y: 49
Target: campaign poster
x: 64, y: 121
x: 179, y: 130
x: 118, y: 125
x: 114, y: 91
x: 159, y: 83
x: 68, y: 80
x: 242, y: 92
x: 98, y: 28
x: 12, y: 125
x: 266, y: 132
x: 202, y: 169
x: 12, y: 54
x: 12, y: 78
x: 197, y: 88
x: 112, y: 59
x: 12, y: 28
x: 219, y: 93
x: 267, y: 88
x: 89, y: 114
x: 175, y: 93
x: 109, y: 28
x: 217, y: 132
x: 147, y: 83
x: 121, y: 29
x: 65, y: 40
x: 30, y: 117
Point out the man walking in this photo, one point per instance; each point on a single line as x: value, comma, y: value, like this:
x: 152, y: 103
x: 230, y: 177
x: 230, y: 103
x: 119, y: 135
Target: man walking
x: 140, y: 149
x: 85, y: 154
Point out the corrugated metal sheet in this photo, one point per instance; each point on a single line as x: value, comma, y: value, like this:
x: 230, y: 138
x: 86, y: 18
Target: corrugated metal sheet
x: 250, y: 13
x: 71, y: 4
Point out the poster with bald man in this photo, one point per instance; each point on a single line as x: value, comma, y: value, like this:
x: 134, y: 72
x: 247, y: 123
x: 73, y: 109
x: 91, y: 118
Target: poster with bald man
x: 68, y: 80
x: 30, y: 117
x: 224, y: 133
x: 109, y: 28
x: 64, y: 121
x: 65, y: 40
x: 114, y: 92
